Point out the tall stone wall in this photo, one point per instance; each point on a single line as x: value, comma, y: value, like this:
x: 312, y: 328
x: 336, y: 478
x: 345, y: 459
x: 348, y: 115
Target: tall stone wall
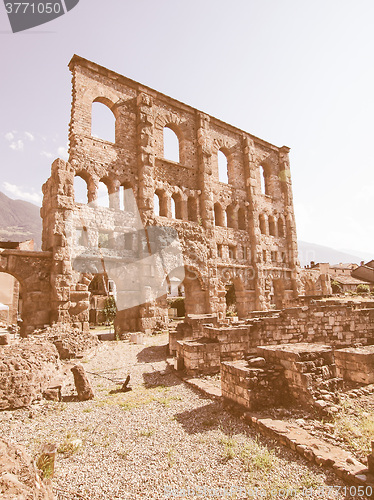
x: 230, y: 233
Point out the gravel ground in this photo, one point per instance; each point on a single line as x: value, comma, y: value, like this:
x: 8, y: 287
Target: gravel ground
x: 161, y: 440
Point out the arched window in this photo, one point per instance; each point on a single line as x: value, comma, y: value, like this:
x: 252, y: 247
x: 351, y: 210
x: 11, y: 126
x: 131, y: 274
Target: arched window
x: 192, y: 208
x: 231, y: 219
x: 103, y: 122
x: 219, y: 219
x: 263, y: 224
x: 156, y: 204
x: 80, y: 190
x: 171, y: 145
x: 176, y: 204
x: 103, y: 195
x: 241, y: 219
x: 11, y: 298
x: 280, y: 228
x: 264, y: 179
x: 222, y: 167
x: 272, y: 226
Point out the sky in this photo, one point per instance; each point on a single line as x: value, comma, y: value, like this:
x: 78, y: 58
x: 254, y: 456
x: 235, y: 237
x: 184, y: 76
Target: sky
x: 293, y: 72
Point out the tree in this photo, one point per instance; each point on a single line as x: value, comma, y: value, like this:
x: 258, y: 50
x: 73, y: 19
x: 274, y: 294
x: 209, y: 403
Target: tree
x: 336, y: 287
x: 361, y: 288
x: 110, y: 309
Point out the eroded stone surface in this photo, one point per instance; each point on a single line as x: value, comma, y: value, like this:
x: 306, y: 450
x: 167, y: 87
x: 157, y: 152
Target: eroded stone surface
x: 26, y: 370
x: 19, y: 477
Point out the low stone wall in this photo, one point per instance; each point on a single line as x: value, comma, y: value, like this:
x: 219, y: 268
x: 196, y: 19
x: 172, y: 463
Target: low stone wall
x: 234, y: 341
x: 336, y: 324
x: 27, y: 369
x: 253, y: 387
x: 198, y: 356
x: 308, y: 369
x: 356, y: 364
x: 192, y: 328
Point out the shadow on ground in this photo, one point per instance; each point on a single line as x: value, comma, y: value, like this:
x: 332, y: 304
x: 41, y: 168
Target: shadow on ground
x: 152, y: 354
x: 162, y: 377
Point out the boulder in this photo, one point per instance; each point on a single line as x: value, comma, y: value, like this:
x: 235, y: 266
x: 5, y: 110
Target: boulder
x: 27, y: 369
x: 82, y: 384
x: 4, y: 339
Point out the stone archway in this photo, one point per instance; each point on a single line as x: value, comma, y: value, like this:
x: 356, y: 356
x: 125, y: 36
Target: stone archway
x: 32, y: 270
x: 196, y: 300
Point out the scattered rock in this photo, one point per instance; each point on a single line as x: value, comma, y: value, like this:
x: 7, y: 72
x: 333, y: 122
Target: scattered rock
x: 82, y: 384
x: 26, y: 371
x: 4, y: 339
x: 71, y: 343
x: 53, y: 393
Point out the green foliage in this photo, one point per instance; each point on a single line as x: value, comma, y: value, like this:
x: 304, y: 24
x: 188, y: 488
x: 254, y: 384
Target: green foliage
x: 110, y: 309
x: 179, y: 304
x: 361, y: 288
x: 336, y: 287
x: 46, y: 466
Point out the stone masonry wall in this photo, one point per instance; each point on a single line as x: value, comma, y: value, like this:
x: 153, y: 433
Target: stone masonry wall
x: 337, y: 325
x: 356, y: 364
x: 255, y: 388
x: 230, y: 233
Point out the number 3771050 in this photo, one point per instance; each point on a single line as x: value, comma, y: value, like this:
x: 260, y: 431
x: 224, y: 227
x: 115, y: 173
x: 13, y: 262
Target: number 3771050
x: 33, y: 8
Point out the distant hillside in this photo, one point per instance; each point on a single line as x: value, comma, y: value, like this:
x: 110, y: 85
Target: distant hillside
x: 311, y: 252
x: 19, y: 221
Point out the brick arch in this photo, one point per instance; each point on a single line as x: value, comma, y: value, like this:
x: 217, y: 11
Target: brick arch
x: 106, y: 101
x: 196, y: 295
x: 170, y: 120
x: 224, y: 145
x: 90, y: 182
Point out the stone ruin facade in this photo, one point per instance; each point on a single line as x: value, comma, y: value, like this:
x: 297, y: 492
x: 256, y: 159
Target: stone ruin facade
x: 232, y: 233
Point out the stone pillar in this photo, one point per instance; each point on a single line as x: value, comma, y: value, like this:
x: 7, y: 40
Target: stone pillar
x: 146, y: 156
x: 253, y: 223
x: 291, y: 236
x: 204, y: 149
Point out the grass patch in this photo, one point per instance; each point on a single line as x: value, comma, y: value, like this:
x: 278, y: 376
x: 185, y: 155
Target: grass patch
x: 141, y: 396
x: 69, y: 446
x: 229, y: 445
x: 171, y: 457
x: 355, y: 426
x: 45, y: 464
x: 257, y: 458
x: 147, y: 432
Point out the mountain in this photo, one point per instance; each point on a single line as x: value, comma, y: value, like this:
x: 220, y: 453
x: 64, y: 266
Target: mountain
x: 311, y: 252
x: 19, y: 221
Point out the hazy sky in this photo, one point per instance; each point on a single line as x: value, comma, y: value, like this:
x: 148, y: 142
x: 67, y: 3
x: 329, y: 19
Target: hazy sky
x: 293, y: 72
